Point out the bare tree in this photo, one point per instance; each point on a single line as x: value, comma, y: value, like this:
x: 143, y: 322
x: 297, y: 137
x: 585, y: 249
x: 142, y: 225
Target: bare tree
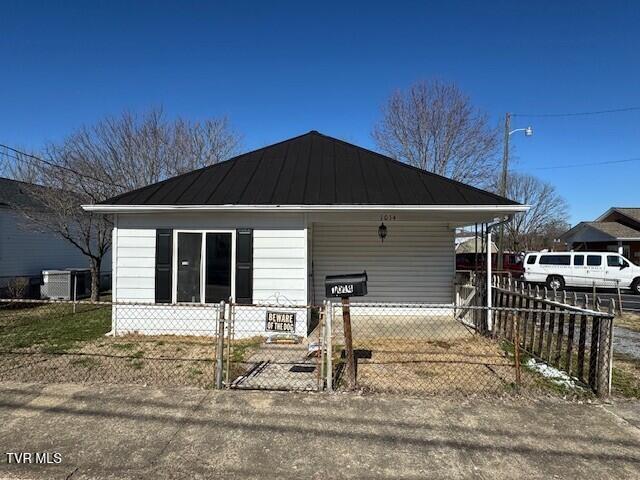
x: 434, y: 126
x: 547, y: 218
x: 115, y: 155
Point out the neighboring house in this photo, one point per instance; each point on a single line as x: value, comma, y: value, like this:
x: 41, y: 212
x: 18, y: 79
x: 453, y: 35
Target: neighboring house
x: 471, y: 245
x: 269, y: 225
x: 617, y: 230
x: 25, y: 249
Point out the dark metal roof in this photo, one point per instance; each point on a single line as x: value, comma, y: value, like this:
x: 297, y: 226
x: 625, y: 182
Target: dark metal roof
x: 312, y: 169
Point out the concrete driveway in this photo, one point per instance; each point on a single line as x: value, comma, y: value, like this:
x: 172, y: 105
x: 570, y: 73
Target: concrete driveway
x: 121, y: 432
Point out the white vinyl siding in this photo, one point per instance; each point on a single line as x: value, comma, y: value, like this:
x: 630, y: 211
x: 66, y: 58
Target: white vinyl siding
x: 279, y: 266
x: 279, y: 255
x: 415, y: 263
x: 135, y: 264
x: 27, y: 250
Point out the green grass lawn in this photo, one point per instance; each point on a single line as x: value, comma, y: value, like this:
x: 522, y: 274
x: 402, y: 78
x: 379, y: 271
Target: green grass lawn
x: 625, y: 380
x: 52, y: 328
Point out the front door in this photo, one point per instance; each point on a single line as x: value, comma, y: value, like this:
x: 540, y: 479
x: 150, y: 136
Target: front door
x: 218, y: 267
x: 189, y: 267
x: 204, y: 267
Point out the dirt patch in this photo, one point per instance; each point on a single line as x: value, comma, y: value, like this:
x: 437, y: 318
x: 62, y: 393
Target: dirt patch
x: 468, y: 365
x: 151, y: 360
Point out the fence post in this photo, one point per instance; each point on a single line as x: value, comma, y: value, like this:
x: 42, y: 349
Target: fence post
x: 602, y: 370
x: 612, y: 309
x: 328, y: 339
x: 230, y: 326
x: 516, y: 346
x: 322, y: 335
x: 220, y: 346
x: 75, y: 290
x: 348, y: 344
x: 619, y: 297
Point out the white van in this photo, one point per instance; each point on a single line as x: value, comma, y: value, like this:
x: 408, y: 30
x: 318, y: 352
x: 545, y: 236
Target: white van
x: 581, y: 269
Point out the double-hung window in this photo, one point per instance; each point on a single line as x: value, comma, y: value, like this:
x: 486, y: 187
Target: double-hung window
x: 203, y: 266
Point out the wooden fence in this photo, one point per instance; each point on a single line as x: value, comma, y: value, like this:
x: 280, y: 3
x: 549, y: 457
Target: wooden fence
x: 568, y: 332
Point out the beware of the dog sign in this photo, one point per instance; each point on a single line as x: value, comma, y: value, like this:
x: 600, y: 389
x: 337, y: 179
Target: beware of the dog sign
x: 280, y: 321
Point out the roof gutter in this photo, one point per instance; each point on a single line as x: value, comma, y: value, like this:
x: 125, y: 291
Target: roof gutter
x: 491, y: 226
x: 504, y: 209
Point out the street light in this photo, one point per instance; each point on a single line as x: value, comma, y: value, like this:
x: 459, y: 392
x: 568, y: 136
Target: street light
x: 528, y: 132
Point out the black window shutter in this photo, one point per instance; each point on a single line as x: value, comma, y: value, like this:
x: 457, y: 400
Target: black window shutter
x: 164, y: 254
x: 244, y: 266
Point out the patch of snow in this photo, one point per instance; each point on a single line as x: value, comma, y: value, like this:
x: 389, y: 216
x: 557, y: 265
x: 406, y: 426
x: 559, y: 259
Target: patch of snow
x: 556, y: 376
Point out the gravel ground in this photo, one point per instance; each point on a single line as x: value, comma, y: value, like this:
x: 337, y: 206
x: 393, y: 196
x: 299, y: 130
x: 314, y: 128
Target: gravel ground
x: 626, y: 341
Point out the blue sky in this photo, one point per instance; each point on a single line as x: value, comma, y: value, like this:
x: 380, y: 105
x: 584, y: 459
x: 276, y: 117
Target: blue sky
x: 278, y: 69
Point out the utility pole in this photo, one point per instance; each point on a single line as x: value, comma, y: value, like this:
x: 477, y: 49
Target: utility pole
x: 503, y: 186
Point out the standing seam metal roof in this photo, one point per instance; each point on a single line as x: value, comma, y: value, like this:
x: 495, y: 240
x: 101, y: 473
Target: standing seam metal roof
x: 311, y: 169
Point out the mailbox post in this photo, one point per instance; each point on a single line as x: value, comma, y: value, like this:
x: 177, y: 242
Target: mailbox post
x: 346, y: 286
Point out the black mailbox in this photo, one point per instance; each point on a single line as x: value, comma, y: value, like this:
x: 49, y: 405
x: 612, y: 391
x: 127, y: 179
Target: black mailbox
x: 350, y: 285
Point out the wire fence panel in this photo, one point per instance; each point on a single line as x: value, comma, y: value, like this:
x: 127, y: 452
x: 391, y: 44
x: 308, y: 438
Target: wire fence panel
x: 274, y: 347
x: 104, y: 342
x: 523, y: 342
x: 417, y: 349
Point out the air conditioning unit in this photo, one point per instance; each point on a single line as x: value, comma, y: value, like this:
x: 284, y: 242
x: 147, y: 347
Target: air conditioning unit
x: 59, y: 284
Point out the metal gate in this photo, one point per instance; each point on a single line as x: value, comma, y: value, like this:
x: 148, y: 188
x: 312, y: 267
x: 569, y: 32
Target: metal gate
x: 273, y: 347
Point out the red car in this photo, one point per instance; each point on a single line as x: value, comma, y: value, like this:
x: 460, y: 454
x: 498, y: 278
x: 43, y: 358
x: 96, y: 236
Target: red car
x: 512, y: 262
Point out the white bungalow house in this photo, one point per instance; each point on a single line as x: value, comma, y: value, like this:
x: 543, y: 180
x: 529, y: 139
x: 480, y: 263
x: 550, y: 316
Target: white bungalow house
x: 267, y: 227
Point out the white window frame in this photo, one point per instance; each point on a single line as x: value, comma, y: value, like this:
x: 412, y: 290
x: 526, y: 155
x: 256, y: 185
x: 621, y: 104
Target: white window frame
x: 203, y: 258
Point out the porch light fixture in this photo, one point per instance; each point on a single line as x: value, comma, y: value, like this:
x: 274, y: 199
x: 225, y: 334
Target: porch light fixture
x: 382, y: 232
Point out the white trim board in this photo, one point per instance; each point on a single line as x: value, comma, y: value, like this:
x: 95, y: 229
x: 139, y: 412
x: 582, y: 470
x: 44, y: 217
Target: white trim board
x: 305, y: 208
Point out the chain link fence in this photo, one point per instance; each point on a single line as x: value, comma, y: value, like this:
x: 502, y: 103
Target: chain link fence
x: 438, y: 349
x: 525, y: 342
x: 104, y: 342
x: 418, y: 349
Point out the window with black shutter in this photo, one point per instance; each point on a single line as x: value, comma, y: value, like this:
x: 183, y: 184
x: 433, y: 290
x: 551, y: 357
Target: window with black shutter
x: 244, y: 266
x: 164, y: 254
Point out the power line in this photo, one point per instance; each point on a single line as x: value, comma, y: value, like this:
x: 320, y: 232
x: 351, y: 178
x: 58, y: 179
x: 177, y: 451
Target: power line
x: 20, y: 154
x: 576, y: 114
x: 588, y: 164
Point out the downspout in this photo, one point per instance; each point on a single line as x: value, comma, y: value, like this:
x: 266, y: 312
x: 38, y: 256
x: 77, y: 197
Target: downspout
x: 114, y: 279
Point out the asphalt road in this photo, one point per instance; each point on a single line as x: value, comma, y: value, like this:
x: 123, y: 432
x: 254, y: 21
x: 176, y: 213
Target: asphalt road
x: 120, y: 432
x: 630, y: 302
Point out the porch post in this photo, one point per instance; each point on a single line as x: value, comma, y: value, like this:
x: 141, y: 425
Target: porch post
x: 489, y: 316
